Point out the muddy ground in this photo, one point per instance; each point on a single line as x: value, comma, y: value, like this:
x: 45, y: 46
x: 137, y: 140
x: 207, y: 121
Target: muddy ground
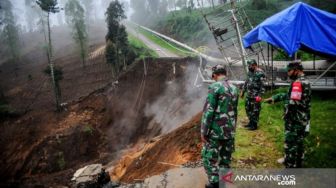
x: 43, y: 147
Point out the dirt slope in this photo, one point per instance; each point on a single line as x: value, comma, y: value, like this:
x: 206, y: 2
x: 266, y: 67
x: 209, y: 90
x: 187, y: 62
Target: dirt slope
x: 161, y: 154
x: 45, y: 148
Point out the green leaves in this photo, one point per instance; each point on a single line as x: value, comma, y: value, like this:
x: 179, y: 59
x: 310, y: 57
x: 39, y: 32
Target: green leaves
x: 9, y: 32
x: 74, y: 13
x: 49, y: 6
x: 116, y: 37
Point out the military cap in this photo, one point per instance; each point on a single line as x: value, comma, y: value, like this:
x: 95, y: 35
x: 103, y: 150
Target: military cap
x: 295, y: 65
x: 218, y: 69
x: 251, y: 62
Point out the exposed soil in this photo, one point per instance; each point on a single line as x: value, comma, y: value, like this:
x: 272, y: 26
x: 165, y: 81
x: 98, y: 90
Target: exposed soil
x: 128, y: 124
x: 43, y: 147
x: 182, y: 147
x: 161, y: 154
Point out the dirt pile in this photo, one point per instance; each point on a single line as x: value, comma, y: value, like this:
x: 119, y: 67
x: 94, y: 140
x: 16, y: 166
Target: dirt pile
x: 161, y: 154
x: 45, y: 148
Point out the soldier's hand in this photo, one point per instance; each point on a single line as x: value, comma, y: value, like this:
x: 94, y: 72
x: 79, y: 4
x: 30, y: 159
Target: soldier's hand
x: 269, y: 100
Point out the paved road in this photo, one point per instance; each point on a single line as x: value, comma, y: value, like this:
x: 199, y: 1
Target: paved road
x: 162, y: 52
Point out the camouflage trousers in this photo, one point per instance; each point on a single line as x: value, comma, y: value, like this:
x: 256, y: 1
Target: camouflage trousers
x: 294, y: 144
x: 252, y: 109
x: 216, y: 154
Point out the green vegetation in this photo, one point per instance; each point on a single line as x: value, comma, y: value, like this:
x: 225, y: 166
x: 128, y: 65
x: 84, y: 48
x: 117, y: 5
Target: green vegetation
x: 116, y: 37
x: 75, y: 18
x: 321, y: 141
x: 51, y: 7
x: 267, y: 142
x: 304, y: 56
x: 61, y: 160
x: 263, y: 147
x: 88, y: 129
x: 187, y: 27
x: 5, y: 109
x: 58, y: 76
x: 164, y: 44
x: 139, y: 49
x: 9, y: 31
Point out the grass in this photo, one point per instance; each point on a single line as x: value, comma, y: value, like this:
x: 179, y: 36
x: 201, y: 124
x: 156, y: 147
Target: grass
x: 163, y: 43
x: 320, y: 144
x: 188, y: 27
x: 259, y: 149
x: 263, y: 147
x: 141, y: 49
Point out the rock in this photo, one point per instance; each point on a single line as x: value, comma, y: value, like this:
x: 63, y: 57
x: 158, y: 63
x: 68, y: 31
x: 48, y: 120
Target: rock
x: 93, y: 176
x: 87, y: 173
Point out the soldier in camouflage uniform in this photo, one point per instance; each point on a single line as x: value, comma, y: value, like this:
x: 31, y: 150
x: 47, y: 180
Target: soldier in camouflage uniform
x: 297, y: 114
x: 254, y: 86
x: 218, y: 125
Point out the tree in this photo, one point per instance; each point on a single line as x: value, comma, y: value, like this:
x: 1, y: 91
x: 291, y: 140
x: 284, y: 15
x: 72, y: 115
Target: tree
x: 328, y: 5
x: 191, y: 5
x: 122, y: 44
x: 116, y: 37
x: 75, y: 18
x: 88, y: 9
x: 110, y: 55
x: 10, y: 31
x: 50, y: 6
x: 259, y: 4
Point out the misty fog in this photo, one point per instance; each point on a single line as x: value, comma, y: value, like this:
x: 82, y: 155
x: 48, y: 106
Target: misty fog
x: 26, y: 16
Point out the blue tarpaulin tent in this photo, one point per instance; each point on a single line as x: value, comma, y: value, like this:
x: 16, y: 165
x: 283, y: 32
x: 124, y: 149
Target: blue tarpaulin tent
x: 300, y: 26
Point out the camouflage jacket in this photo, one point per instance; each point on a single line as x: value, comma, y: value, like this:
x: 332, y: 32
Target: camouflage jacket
x: 297, y: 104
x: 254, y: 84
x: 220, y: 111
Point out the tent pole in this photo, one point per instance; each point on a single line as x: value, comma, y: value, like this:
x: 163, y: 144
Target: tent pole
x: 268, y: 65
x: 314, y: 62
x: 272, y: 69
x: 258, y: 59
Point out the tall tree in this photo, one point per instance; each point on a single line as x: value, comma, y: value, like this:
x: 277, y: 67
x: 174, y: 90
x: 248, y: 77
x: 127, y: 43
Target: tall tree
x: 10, y: 31
x: 51, y: 7
x: 122, y: 44
x: 116, y: 37
x: 212, y: 3
x: 88, y: 9
x: 328, y: 5
x: 75, y: 18
x: 191, y: 5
